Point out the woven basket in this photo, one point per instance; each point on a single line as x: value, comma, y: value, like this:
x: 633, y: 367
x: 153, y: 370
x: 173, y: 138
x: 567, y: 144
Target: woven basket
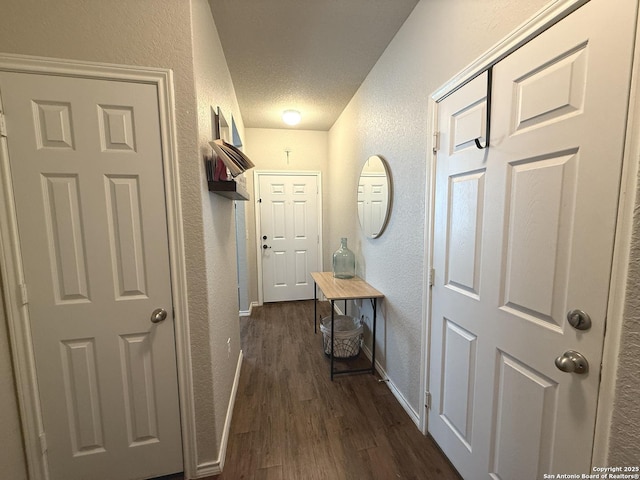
x: 348, y: 336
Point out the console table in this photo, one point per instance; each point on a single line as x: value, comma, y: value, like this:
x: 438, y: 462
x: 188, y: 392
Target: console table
x: 345, y: 289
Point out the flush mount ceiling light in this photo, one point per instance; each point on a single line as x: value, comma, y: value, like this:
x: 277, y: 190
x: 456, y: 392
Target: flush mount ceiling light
x: 291, y: 117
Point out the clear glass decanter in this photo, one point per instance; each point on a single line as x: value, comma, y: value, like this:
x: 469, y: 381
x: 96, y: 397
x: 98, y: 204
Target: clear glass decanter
x: 344, y: 261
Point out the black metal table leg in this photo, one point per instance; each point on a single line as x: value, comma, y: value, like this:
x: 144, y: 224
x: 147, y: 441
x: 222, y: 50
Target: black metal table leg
x: 331, y: 339
x: 373, y: 345
x: 315, y: 307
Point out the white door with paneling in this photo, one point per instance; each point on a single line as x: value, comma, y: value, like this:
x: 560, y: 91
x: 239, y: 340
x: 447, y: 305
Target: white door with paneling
x: 289, y: 234
x: 372, y: 202
x: 86, y: 168
x: 524, y: 233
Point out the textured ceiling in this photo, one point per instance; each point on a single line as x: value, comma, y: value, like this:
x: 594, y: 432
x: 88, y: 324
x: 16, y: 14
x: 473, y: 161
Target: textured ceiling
x: 307, y: 55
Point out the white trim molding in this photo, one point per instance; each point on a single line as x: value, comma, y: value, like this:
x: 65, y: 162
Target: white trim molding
x: 425, y: 351
x: 620, y: 271
x: 247, y: 313
x: 10, y: 255
x: 215, y: 468
x: 404, y: 403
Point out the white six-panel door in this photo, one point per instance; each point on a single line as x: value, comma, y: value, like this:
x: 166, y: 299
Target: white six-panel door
x: 289, y: 233
x: 86, y: 166
x: 524, y: 233
x: 373, y: 196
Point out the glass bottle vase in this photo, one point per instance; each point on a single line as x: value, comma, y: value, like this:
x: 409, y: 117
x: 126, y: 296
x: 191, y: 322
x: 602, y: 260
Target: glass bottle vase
x: 344, y: 261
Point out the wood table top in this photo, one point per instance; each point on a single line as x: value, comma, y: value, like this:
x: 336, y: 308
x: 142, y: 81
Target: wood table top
x: 344, y: 288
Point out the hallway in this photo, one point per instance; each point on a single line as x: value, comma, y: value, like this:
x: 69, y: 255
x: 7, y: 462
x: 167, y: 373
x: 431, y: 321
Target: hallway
x: 291, y: 422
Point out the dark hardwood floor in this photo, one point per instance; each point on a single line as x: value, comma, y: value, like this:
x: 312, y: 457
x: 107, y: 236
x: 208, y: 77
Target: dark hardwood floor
x: 291, y: 422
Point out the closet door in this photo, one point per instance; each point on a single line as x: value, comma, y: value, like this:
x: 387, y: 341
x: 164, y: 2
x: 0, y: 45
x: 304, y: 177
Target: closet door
x: 524, y: 235
x: 86, y: 167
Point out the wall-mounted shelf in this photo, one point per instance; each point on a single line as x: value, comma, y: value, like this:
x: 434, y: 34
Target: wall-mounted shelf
x: 230, y: 189
x: 226, y: 166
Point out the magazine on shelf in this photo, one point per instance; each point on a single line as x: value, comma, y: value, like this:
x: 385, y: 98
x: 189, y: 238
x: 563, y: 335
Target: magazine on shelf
x: 236, y: 161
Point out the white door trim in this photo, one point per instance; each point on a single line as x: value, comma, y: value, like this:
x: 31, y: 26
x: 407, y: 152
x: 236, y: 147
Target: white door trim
x: 12, y: 273
x: 256, y: 187
x: 620, y: 265
x: 544, y: 19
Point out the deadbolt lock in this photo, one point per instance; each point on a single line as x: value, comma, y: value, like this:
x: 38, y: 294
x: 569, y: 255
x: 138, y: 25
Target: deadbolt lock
x: 579, y: 320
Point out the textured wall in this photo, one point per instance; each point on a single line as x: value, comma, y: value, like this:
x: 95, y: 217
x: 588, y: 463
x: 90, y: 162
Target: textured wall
x: 215, y: 89
x: 624, y: 437
x: 388, y: 116
x: 156, y: 33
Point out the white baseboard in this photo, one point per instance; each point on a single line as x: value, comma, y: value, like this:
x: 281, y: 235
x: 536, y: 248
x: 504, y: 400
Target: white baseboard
x: 396, y: 393
x: 227, y: 423
x: 208, y: 469
x: 247, y: 313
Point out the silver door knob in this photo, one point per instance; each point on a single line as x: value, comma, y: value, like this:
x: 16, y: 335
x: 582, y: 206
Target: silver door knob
x: 572, y: 362
x: 158, y: 315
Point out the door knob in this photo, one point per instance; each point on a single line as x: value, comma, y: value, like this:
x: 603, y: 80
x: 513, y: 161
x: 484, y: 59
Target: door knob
x: 579, y: 319
x: 264, y: 247
x: 158, y: 315
x: 572, y: 362
x: 264, y: 237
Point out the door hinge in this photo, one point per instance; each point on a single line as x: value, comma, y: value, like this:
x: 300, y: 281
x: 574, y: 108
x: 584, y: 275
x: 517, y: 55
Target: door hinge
x: 436, y: 142
x: 22, y: 292
x: 43, y: 443
x: 427, y: 400
x: 3, y: 125
x: 432, y: 276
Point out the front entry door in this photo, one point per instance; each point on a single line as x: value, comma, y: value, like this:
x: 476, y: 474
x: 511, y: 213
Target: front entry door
x: 524, y: 234
x: 289, y: 231
x: 86, y: 166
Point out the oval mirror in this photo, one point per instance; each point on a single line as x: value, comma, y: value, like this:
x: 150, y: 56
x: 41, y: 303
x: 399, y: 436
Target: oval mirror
x: 374, y: 196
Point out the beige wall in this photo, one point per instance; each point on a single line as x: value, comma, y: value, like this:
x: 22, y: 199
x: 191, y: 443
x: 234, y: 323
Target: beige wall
x: 624, y: 437
x: 158, y: 33
x: 308, y: 149
x: 214, y: 88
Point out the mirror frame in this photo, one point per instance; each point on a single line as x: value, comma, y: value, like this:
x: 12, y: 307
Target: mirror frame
x: 387, y: 213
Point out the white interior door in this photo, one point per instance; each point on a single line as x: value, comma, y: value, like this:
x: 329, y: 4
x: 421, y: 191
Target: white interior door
x: 524, y: 233
x: 372, y: 202
x: 289, y: 233
x: 86, y: 166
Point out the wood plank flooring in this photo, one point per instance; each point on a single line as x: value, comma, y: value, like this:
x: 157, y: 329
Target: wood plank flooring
x: 291, y: 422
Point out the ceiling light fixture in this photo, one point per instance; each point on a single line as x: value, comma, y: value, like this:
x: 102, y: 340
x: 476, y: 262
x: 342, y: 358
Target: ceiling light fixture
x: 291, y: 117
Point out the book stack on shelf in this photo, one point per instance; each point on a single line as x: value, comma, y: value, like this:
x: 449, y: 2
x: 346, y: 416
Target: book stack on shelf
x: 225, y: 170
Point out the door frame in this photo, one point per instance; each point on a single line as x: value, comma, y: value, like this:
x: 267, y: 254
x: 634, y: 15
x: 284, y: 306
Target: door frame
x: 548, y: 16
x: 256, y: 188
x: 12, y: 269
